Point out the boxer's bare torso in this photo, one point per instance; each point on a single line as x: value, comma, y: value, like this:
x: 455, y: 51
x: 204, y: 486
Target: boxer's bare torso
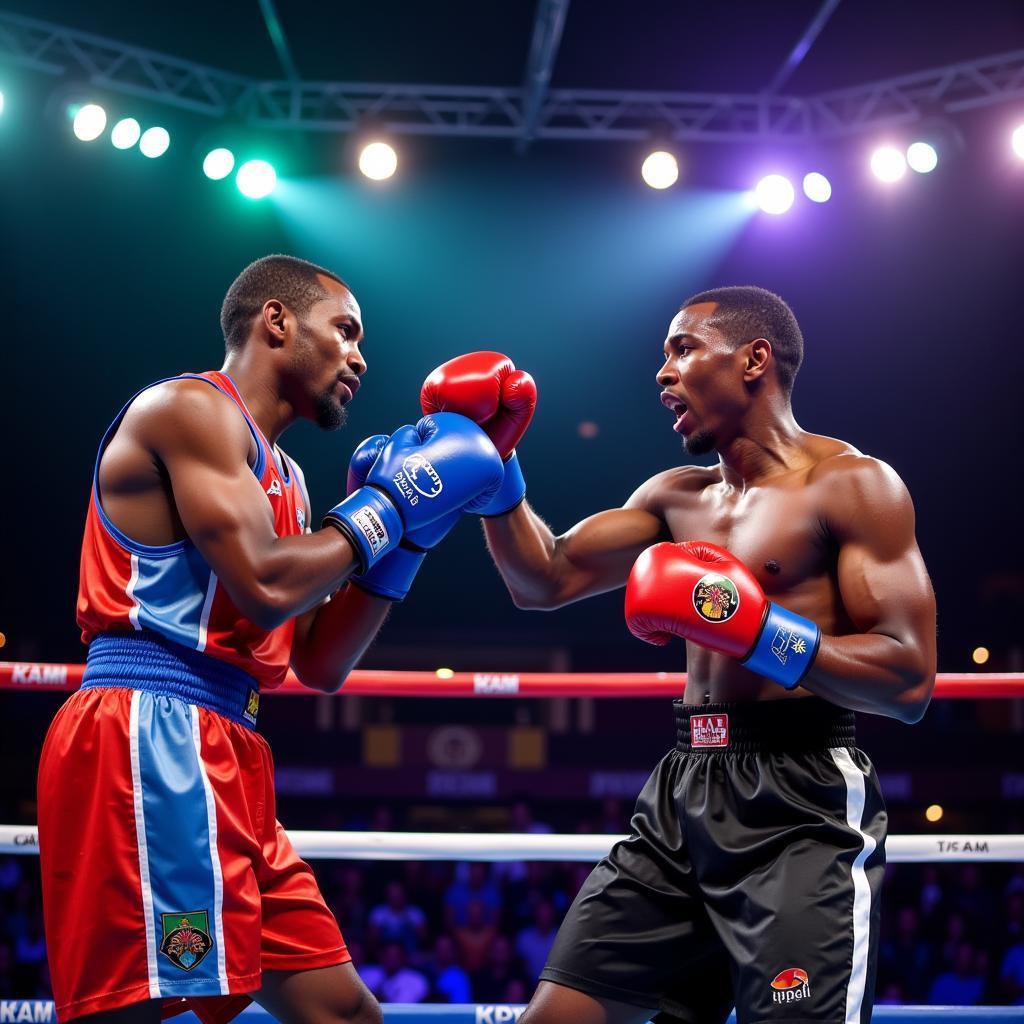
x: 782, y: 529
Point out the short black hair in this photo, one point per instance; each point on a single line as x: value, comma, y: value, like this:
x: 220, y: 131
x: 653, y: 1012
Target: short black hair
x: 746, y: 312
x: 286, y: 278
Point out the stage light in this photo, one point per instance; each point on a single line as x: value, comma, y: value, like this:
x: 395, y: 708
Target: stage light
x: 979, y: 655
x: 154, y: 142
x: 1017, y: 140
x: 888, y: 164
x: 444, y: 673
x: 934, y: 813
x: 378, y: 161
x: 817, y: 187
x: 1, y: 101
x: 125, y: 133
x: 219, y: 163
x: 660, y: 169
x: 774, y: 194
x: 90, y: 120
x: 256, y: 179
x: 922, y: 157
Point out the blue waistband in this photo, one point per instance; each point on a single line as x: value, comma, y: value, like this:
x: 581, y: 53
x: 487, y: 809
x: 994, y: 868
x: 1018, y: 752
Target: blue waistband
x: 148, y: 661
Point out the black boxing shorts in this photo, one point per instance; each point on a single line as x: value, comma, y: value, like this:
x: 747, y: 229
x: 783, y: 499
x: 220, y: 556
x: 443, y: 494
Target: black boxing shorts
x: 751, y: 877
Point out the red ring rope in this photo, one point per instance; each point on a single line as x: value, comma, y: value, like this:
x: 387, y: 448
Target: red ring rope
x: 37, y: 676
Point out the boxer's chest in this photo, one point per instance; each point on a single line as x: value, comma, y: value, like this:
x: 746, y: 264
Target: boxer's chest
x: 776, y: 531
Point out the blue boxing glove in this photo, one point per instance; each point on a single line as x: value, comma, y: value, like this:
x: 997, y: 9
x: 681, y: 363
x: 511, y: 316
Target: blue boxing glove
x: 511, y: 491
x: 444, y: 464
x: 392, y: 576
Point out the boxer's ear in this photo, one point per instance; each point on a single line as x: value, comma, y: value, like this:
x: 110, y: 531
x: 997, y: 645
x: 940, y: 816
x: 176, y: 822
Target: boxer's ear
x: 757, y: 359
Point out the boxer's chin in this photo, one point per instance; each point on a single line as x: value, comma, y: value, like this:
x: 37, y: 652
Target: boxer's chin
x: 329, y: 413
x: 700, y: 442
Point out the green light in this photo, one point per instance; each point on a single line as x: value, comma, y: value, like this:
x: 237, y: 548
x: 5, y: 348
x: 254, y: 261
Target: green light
x: 154, y: 142
x: 125, y: 133
x: 218, y: 164
x: 256, y: 179
x: 89, y: 122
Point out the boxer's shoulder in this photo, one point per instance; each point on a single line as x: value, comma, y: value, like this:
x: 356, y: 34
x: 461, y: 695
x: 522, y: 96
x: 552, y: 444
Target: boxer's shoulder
x: 673, y: 485
x: 856, y: 489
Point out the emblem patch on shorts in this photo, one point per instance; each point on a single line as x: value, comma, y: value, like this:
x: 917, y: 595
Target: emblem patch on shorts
x: 186, y: 938
x: 715, y: 597
x: 790, y: 985
x: 252, y: 707
x: 709, y: 731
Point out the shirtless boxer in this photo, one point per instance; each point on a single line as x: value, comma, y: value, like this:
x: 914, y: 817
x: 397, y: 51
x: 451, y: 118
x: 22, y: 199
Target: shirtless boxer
x: 752, y: 873
x: 166, y: 876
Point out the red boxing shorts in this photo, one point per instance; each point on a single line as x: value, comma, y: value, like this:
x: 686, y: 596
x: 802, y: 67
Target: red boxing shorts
x: 165, y: 872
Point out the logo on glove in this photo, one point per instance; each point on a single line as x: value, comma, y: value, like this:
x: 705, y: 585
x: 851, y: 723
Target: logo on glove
x: 786, y: 640
x: 715, y: 598
x: 420, y: 472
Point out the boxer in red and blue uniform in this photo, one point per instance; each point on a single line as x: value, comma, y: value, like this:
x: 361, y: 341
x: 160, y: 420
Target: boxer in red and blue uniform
x: 752, y: 873
x: 167, y: 879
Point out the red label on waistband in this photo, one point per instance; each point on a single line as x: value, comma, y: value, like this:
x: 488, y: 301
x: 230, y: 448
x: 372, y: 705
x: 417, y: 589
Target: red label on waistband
x: 709, y: 730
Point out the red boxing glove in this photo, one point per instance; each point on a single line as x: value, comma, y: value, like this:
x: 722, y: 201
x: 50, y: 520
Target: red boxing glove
x: 486, y: 387
x: 694, y: 590
x: 704, y: 593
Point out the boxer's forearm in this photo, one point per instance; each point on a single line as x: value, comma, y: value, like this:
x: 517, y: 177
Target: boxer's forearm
x: 544, y: 571
x: 275, y: 579
x: 330, y: 640
x: 524, y: 550
x: 874, y: 673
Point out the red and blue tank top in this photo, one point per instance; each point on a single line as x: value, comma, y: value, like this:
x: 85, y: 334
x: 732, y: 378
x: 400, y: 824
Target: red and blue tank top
x: 169, y: 589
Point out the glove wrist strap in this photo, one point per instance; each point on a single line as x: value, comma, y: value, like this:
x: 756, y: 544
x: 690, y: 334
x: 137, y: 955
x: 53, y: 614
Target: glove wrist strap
x: 510, y: 493
x: 370, y: 522
x: 785, y: 648
x: 392, y: 577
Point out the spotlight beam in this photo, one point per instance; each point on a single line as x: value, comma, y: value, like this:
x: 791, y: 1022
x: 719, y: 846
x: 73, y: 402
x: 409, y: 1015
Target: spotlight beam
x: 276, y: 32
x: 803, y: 46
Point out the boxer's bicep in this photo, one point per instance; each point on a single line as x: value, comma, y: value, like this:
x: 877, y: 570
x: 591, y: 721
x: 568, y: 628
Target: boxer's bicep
x: 598, y: 553
x: 203, y: 443
x: 883, y: 582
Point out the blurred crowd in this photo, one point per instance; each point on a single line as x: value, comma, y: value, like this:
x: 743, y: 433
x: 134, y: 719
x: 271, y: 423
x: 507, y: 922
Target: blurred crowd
x: 473, y: 932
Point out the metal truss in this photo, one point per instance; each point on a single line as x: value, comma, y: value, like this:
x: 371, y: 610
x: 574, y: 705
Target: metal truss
x: 498, y: 112
x: 547, y: 34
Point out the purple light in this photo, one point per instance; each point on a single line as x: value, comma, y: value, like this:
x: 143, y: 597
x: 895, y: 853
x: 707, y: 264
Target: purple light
x: 774, y: 194
x: 817, y: 187
x: 888, y: 164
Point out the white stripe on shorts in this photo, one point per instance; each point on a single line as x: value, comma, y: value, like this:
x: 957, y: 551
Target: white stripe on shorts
x: 855, y: 797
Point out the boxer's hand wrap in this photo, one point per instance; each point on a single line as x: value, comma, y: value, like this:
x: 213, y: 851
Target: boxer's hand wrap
x: 486, y: 387
x: 392, y: 575
x: 703, y: 593
x: 444, y: 464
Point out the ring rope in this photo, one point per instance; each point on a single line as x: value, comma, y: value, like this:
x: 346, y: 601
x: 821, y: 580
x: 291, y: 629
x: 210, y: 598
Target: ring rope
x: 51, y: 676
x: 490, y: 846
x: 40, y: 1011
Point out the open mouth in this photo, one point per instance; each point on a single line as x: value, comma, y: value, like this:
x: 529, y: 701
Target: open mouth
x: 349, y: 384
x: 678, y: 408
